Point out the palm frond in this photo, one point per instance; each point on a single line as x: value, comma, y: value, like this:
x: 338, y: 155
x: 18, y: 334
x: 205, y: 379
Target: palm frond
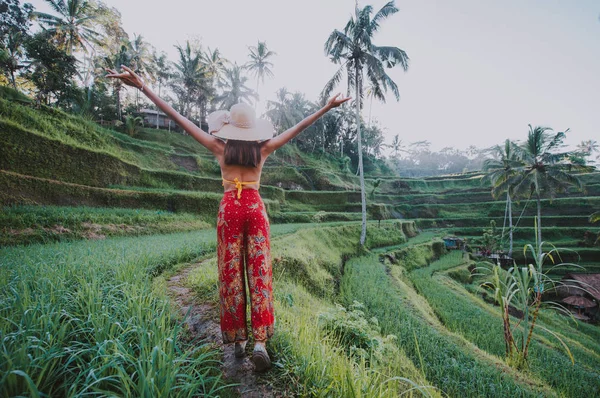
x: 385, y: 11
x: 392, y: 56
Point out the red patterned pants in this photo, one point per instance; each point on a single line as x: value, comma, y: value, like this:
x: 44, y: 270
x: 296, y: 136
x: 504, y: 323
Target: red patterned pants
x: 243, y: 239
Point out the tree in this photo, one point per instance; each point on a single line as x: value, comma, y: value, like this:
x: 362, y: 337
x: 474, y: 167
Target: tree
x: 50, y: 68
x: 14, y: 27
x: 587, y: 148
x: 500, y: 172
x: 360, y: 58
x: 141, y: 60
x: 162, y: 73
x: 73, y: 26
x: 215, y: 65
x: 115, y: 61
x: 544, y: 171
x: 259, y: 64
x: 193, y: 82
x: 234, y: 89
x: 396, y: 145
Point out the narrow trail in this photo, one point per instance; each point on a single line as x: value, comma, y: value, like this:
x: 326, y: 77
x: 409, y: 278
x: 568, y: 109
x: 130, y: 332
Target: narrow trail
x: 202, y: 320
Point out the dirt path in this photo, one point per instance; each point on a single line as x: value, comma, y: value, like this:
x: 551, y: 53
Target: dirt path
x: 203, y: 322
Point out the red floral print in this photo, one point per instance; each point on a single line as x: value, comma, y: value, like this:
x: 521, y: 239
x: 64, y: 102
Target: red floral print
x: 243, y: 251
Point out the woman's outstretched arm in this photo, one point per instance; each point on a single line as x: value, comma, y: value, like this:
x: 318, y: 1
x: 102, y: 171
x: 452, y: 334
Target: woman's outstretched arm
x: 280, y: 140
x: 132, y: 79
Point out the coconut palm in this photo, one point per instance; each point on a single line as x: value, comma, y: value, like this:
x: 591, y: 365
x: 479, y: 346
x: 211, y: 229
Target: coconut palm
x: 354, y: 50
x: 214, y: 64
x: 500, y: 172
x: 73, y: 26
x: 192, y: 82
x: 114, y: 62
x: 162, y: 73
x: 259, y: 64
x: 234, y: 89
x: 544, y: 171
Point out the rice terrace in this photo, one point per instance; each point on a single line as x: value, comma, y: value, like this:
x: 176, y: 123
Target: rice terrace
x: 434, y: 230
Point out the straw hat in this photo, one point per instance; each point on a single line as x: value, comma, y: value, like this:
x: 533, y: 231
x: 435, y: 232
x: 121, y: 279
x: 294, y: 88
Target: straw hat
x: 239, y: 123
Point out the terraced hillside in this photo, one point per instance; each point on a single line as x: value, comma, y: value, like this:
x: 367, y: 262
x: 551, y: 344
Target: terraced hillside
x: 96, y: 223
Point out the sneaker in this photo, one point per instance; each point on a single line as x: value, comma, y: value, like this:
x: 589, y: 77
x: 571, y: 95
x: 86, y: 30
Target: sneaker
x: 260, y: 358
x: 240, y: 349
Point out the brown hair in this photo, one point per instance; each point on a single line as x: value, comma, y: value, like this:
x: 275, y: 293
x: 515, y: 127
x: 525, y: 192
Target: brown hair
x: 242, y: 153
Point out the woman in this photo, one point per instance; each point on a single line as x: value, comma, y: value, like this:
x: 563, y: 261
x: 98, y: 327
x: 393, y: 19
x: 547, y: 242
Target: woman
x: 241, y: 143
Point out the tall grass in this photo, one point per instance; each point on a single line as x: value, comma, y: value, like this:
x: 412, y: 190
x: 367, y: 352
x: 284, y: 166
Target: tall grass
x: 446, y: 360
x: 481, y: 324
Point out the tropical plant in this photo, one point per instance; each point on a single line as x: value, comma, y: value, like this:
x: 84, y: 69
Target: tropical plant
x: 259, y: 64
x: 521, y: 288
x: 214, y: 64
x: 396, y: 145
x: 141, y: 61
x: 234, y: 89
x: 114, y: 62
x: 133, y: 125
x: 14, y: 27
x: 191, y: 83
x: 361, y: 59
x: 544, y: 171
x: 499, y: 172
x: 162, y: 73
x: 50, y: 69
x: 73, y: 26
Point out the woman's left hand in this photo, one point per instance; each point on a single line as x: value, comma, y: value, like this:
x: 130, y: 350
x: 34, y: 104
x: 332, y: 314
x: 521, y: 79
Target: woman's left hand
x: 336, y: 101
x: 128, y: 77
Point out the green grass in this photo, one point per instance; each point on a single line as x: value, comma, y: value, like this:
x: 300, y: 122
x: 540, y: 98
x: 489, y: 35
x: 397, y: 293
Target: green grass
x: 83, y: 318
x: 308, y: 358
x: 447, y: 361
x: 481, y: 324
x: 41, y: 224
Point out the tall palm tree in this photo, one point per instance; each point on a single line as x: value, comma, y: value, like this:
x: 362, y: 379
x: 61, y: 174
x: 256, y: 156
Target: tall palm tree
x: 361, y: 59
x: 215, y: 65
x: 73, y: 26
x: 192, y: 80
x: 234, y: 89
x: 279, y: 112
x: 162, y: 73
x: 396, y: 145
x: 123, y: 57
x: 544, y: 171
x: 259, y: 64
x: 141, y: 61
x: 500, y: 172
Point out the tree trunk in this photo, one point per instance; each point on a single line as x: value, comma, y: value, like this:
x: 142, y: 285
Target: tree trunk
x: 510, y: 225
x: 157, y: 109
x: 539, y: 224
x: 12, y: 79
x: 363, y: 232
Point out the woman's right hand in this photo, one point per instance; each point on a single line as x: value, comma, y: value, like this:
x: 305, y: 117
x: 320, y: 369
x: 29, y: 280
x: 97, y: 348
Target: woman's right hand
x: 128, y: 77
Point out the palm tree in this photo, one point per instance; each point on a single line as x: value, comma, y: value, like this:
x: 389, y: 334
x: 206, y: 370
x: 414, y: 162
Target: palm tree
x: 279, y: 111
x: 396, y: 145
x: 192, y: 80
x: 162, y: 73
x: 123, y: 57
x: 360, y: 58
x: 234, y: 88
x: 214, y: 64
x: 259, y: 64
x: 73, y: 26
x: 544, y: 172
x: 500, y: 172
x: 141, y: 60
x: 12, y: 54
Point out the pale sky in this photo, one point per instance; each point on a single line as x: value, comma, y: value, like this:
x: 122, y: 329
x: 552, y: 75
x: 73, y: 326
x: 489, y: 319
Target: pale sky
x: 480, y: 70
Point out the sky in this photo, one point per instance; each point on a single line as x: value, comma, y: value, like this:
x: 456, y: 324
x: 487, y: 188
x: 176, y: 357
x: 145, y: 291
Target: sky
x: 480, y: 70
